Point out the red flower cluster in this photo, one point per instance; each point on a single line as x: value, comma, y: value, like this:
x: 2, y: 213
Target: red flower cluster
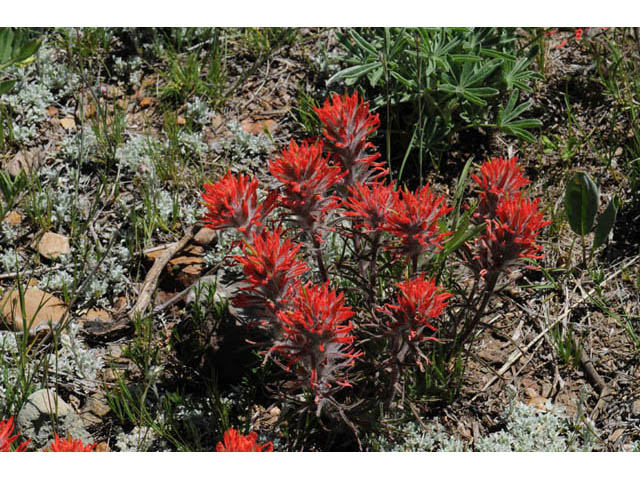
x: 236, y: 442
x: 414, y: 219
x: 419, y: 301
x: 306, y: 177
x: 513, y: 221
x: 316, y: 336
x: 6, y: 440
x: 370, y: 205
x: 347, y: 126
x: 233, y: 202
x: 68, y: 444
x: 271, y: 266
x: 498, y: 178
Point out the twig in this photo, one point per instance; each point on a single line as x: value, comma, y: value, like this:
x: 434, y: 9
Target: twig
x: 515, y: 356
x: 151, y: 280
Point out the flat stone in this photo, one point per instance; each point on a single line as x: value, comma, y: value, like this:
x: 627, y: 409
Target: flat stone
x: 635, y: 407
x: 205, y: 236
x: 35, y: 419
x: 97, y: 405
x: 52, y: 245
x: 13, y: 218
x: 41, y: 308
x: 24, y: 161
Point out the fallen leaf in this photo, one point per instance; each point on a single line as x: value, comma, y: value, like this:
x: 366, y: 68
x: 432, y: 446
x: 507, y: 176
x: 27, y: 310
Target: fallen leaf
x: 180, y: 120
x: 52, y: 111
x: 96, y: 314
x: 216, y: 121
x: 146, y: 102
x: 68, y: 123
x: 114, y: 92
x: 186, y: 260
x: 52, y: 245
x: 40, y: 308
x: 90, y: 110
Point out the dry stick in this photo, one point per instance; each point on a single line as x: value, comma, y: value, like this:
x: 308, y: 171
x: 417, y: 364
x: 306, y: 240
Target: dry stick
x: 151, y: 280
x: 515, y: 356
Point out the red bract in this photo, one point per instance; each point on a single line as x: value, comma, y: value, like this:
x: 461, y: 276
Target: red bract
x: 68, y: 444
x: 347, y: 125
x: 306, y: 177
x: 414, y: 219
x: 510, y: 236
x: 233, y: 202
x: 316, y: 336
x: 418, y: 302
x: 236, y: 442
x: 498, y: 178
x: 370, y: 204
x: 271, y: 266
x: 6, y: 440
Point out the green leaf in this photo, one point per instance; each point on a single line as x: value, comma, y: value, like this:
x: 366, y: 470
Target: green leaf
x: 581, y: 203
x: 605, y: 223
x: 354, y: 72
x: 6, y: 85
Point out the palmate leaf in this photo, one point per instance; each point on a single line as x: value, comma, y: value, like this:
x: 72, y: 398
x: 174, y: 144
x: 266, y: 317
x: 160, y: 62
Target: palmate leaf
x: 517, y: 75
x: 509, y: 123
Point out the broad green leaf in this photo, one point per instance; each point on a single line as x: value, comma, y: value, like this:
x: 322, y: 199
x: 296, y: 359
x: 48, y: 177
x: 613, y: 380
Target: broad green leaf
x: 6, y: 85
x: 605, y: 223
x: 581, y: 203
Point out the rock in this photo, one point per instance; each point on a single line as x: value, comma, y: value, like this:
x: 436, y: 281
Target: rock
x: 96, y: 315
x: 97, y: 405
x: 635, y: 407
x: 68, y: 123
x: 613, y: 438
x: 13, y: 218
x: 41, y: 308
x: 205, y: 236
x: 35, y: 419
x: 52, y: 245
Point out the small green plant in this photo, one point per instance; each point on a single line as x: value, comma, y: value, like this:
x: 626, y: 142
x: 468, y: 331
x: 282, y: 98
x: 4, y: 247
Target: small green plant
x: 581, y: 203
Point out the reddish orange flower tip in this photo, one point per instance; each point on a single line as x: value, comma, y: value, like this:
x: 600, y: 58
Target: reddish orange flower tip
x: 68, y: 444
x: 7, y: 439
x: 234, y: 441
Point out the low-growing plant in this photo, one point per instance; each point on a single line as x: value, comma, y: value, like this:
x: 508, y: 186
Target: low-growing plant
x: 392, y: 242
x: 433, y: 83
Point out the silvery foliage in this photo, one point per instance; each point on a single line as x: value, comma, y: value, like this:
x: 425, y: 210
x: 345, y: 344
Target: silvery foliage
x: 191, y: 144
x: 10, y: 260
x: 140, y: 439
x: 40, y: 84
x: 136, y: 155
x: 528, y: 429
x: 8, y: 233
x: 73, y: 359
x: 199, y: 111
x: 8, y: 358
x: 83, y: 143
x: 129, y: 69
x: 108, y: 281
x: 243, y: 147
x: 416, y: 439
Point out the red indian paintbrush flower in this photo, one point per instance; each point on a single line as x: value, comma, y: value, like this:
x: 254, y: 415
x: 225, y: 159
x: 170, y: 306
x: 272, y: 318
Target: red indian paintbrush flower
x: 306, y: 177
x: 370, y: 204
x: 414, y: 219
x: 419, y: 301
x: 233, y: 202
x: 316, y: 336
x: 6, y: 440
x: 510, y: 236
x: 69, y: 444
x: 347, y: 124
x: 272, y: 268
x: 236, y: 442
x: 498, y: 178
